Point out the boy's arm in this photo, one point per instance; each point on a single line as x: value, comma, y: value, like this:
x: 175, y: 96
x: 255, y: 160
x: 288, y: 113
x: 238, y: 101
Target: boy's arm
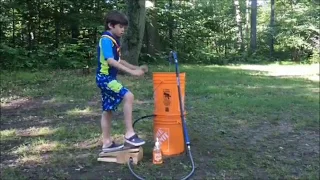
x: 106, y: 46
x: 118, y: 65
x: 128, y: 65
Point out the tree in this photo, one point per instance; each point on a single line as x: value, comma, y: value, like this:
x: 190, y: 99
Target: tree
x: 152, y: 38
x: 239, y: 25
x: 253, y: 37
x: 247, y: 23
x: 132, y: 41
x: 272, y: 17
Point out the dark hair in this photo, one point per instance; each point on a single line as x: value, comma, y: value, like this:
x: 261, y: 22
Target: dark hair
x: 115, y: 17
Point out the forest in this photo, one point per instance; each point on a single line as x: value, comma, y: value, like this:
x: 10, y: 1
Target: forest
x: 250, y: 87
x: 55, y: 34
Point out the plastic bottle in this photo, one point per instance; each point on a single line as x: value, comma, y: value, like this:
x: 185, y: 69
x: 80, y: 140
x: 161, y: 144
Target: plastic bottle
x: 157, y: 154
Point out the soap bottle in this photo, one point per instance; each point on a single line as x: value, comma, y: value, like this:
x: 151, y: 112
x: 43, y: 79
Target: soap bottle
x: 157, y: 154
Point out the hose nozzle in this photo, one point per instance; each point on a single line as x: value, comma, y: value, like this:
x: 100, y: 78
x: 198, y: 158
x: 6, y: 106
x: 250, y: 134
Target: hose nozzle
x: 173, y: 57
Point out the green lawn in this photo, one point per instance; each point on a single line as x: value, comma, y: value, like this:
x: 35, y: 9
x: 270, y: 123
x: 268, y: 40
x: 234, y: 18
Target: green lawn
x: 243, y: 124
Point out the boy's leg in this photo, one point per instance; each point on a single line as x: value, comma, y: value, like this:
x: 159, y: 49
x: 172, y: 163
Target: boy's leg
x: 107, y: 108
x: 108, y: 144
x: 117, y: 93
x: 127, y: 112
x: 105, y: 127
x: 130, y: 135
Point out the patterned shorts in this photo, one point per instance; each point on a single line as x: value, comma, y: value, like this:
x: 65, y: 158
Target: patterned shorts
x: 112, y: 92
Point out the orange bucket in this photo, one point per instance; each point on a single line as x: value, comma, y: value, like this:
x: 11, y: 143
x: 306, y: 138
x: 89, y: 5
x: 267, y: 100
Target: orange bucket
x: 167, y: 122
x: 166, y: 96
x: 170, y: 133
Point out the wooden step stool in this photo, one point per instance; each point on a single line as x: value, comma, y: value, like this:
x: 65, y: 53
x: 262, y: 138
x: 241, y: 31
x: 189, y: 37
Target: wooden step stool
x: 122, y: 156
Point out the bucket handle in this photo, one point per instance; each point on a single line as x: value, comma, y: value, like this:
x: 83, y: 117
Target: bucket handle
x: 157, y: 86
x: 156, y: 89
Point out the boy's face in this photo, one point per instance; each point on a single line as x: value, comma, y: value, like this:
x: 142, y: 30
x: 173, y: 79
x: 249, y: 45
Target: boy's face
x: 117, y: 30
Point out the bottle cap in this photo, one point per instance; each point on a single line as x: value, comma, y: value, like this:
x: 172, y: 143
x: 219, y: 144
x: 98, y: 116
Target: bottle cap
x: 157, y: 143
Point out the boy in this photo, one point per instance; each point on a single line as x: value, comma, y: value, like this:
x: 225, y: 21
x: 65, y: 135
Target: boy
x: 112, y: 92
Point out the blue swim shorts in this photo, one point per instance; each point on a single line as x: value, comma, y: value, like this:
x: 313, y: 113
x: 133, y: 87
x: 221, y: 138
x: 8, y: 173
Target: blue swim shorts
x: 112, y: 92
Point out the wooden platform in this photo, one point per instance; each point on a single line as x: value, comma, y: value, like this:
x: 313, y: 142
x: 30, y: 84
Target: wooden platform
x: 122, y: 157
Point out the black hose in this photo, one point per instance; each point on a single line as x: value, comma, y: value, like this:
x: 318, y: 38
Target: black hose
x: 192, y: 162
x: 143, y: 117
x: 130, y: 162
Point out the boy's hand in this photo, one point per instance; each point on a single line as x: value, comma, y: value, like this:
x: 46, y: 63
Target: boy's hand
x: 144, y: 68
x: 137, y: 72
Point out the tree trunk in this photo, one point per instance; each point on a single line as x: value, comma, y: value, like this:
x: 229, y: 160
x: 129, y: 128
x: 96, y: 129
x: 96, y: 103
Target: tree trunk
x: 13, y: 26
x: 151, y: 32
x: 39, y: 39
x: 247, y: 23
x: 74, y: 25
x: 57, y: 16
x: 239, y: 26
x: 272, y: 19
x: 30, y: 26
x: 132, y: 41
x: 96, y: 29
x: 253, y: 37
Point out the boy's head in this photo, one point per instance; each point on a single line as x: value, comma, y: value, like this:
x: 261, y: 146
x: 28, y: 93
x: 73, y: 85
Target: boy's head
x: 116, y: 23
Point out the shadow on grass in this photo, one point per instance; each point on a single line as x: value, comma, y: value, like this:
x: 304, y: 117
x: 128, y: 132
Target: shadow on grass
x: 243, y: 124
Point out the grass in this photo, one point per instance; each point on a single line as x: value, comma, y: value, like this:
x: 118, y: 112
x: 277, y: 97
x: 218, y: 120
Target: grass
x: 244, y: 123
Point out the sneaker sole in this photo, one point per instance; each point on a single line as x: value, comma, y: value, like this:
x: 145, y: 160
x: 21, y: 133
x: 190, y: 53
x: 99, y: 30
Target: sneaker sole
x: 135, y: 144
x: 112, y: 149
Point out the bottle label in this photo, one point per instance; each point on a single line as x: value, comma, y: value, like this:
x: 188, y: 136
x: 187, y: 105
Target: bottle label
x: 157, y: 156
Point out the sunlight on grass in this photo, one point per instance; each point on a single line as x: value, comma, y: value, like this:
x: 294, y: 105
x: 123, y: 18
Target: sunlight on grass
x: 310, y: 72
x: 297, y: 69
x: 95, y: 142
x: 77, y: 133
x: 52, y: 100
x: 89, y: 143
x: 284, y: 87
x: 21, y: 149
x: 48, y: 146
x: 314, y: 90
x: 30, y: 159
x: 34, y: 131
x: 40, y: 146
x: 7, y: 134
x: 78, y: 111
x: 30, y: 132
x: 13, y: 101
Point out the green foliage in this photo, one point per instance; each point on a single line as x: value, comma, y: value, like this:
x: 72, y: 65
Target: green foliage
x: 200, y: 34
x: 205, y: 31
x: 314, y: 58
x: 50, y: 34
x: 297, y: 30
x: 62, y: 34
x: 66, y: 56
